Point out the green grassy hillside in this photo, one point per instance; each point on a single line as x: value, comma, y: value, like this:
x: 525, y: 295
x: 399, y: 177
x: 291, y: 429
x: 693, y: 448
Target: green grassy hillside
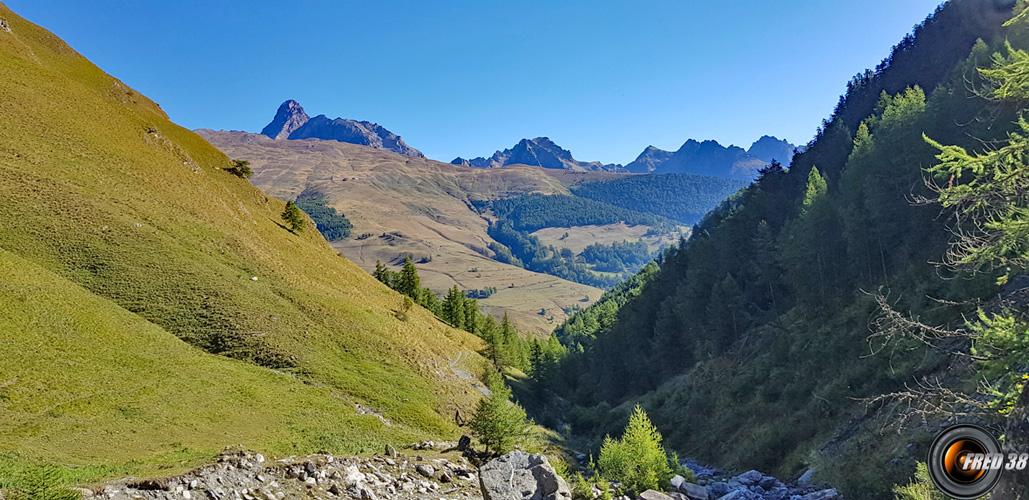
x: 127, y: 252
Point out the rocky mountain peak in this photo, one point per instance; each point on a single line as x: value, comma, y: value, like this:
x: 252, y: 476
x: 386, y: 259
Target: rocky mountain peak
x: 768, y: 148
x: 289, y: 117
x: 537, y: 152
x: 292, y: 122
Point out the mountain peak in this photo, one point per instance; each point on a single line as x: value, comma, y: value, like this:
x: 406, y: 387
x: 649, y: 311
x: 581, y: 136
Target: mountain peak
x: 709, y: 157
x: 537, y: 152
x: 768, y: 148
x: 289, y: 117
x: 292, y: 122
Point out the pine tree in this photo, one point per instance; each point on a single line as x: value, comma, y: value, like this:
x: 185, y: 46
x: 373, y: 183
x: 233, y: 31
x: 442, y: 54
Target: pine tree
x: 292, y: 216
x: 498, y: 423
x: 471, y: 315
x: 408, y: 283
x: 382, y: 273
x: 453, y: 308
x: 637, y: 460
x: 816, y: 189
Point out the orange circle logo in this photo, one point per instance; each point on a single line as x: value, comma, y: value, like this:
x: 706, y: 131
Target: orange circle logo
x: 957, y: 460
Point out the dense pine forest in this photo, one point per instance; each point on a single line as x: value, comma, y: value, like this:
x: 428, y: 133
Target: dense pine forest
x: 681, y: 197
x: 537, y: 211
x: 750, y: 345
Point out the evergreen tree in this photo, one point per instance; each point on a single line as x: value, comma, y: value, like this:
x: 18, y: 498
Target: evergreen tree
x: 382, y: 273
x: 499, y: 423
x: 637, y: 460
x: 471, y: 315
x: 453, y: 308
x: 292, y: 216
x: 408, y: 282
x: 241, y: 169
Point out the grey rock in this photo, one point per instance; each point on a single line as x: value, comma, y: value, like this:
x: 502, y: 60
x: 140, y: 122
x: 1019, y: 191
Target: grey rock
x: 693, y: 491
x: 6, y: 28
x: 750, y: 478
x: 806, y: 478
x: 653, y: 495
x: 521, y: 476
x: 718, y: 489
x: 677, y: 481
x: 828, y: 494
x: 425, y: 470
x: 741, y: 494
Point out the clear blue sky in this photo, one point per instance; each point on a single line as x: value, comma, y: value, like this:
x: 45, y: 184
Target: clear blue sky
x: 601, y: 78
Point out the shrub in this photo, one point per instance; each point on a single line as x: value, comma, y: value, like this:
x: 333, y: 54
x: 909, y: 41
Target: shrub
x: 920, y: 488
x: 637, y: 460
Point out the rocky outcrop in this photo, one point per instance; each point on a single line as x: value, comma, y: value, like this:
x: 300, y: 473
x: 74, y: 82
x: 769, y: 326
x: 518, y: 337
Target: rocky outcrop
x: 292, y: 122
x: 289, y: 117
x: 521, y: 476
x: 246, y: 475
x: 354, y: 132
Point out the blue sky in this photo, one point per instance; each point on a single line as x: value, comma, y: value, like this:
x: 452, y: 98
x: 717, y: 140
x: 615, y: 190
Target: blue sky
x: 464, y: 78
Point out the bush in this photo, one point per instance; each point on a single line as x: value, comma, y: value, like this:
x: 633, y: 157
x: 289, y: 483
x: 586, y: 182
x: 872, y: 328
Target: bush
x: 498, y: 423
x: 920, y: 488
x: 637, y: 460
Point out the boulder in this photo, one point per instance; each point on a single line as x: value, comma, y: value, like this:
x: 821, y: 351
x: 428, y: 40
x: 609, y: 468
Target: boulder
x: 425, y: 470
x: 693, y: 491
x: 718, y: 489
x: 653, y: 495
x: 741, y: 494
x: 677, y: 481
x: 521, y: 476
x: 750, y: 478
x: 806, y: 478
x: 828, y: 494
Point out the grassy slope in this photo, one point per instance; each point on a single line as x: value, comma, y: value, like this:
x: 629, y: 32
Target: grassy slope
x: 425, y: 201
x: 121, y: 232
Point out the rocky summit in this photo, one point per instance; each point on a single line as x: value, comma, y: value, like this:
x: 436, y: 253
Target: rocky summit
x: 292, y: 122
x: 712, y: 159
x: 289, y: 117
x: 539, y: 152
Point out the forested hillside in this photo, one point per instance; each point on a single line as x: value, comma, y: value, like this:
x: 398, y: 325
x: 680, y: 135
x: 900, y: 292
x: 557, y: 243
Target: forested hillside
x: 682, y: 197
x: 749, y: 346
x: 534, y: 211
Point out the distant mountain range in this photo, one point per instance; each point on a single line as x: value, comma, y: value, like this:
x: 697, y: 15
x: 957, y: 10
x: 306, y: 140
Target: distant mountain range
x: 702, y: 158
x: 694, y: 157
x: 292, y: 122
x: 712, y: 159
x: 538, y: 152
